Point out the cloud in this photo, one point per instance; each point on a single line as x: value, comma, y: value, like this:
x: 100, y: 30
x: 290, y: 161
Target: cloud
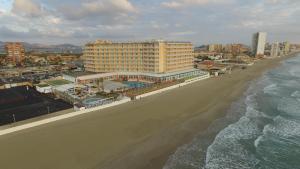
x: 27, y: 8
x: 282, y: 1
x: 267, y: 14
x: 199, y: 21
x: 183, y: 33
x: 175, y: 4
x: 47, y: 20
x: 111, y: 9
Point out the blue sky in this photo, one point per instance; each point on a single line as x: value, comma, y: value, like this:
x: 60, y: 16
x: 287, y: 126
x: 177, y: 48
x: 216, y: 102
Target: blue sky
x: 199, y: 21
x: 5, y: 5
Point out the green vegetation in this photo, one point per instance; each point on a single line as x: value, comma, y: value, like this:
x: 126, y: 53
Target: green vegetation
x: 192, y: 77
x: 108, y: 95
x: 3, y: 55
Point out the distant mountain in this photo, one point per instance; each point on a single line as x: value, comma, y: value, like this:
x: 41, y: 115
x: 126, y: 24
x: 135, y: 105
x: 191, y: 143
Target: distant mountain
x: 2, y: 47
x: 63, y: 48
x: 36, y: 47
x: 200, y: 48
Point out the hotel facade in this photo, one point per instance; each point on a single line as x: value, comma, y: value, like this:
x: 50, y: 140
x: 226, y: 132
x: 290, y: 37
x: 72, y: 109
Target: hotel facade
x: 148, y: 57
x: 150, y: 61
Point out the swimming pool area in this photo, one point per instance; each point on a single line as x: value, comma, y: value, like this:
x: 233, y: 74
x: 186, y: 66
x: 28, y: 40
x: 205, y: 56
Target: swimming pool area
x: 133, y: 84
x: 96, y: 101
x: 91, y: 101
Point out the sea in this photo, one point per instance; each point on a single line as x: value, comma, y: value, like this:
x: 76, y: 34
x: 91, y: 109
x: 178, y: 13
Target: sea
x: 260, y: 131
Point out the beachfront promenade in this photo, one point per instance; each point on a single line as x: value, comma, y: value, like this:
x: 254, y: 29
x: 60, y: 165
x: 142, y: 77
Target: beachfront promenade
x: 138, y: 134
x: 116, y: 103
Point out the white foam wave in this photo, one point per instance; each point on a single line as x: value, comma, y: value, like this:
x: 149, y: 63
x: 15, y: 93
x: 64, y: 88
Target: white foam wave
x: 251, y: 101
x: 290, y: 83
x: 253, y: 113
x: 289, y: 106
x: 257, y: 141
x: 227, y: 150
x: 296, y: 94
x: 271, y: 89
x: 283, y: 127
x: 295, y: 71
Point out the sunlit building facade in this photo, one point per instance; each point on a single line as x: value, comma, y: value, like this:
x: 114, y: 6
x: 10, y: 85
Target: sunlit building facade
x: 147, y: 57
x: 15, y: 53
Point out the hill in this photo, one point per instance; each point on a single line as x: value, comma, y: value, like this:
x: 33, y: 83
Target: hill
x: 44, y: 48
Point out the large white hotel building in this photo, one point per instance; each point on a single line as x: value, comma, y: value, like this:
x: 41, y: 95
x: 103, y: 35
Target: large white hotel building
x: 159, y: 60
x: 148, y: 57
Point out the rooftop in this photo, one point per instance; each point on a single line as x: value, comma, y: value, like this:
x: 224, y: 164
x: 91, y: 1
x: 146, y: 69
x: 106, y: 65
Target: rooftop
x: 133, y: 42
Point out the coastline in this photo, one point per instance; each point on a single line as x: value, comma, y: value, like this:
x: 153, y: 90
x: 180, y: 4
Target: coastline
x: 194, y: 153
x: 142, y: 134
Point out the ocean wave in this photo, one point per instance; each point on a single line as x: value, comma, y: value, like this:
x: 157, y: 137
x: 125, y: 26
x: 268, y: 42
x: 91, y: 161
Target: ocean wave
x: 230, y: 146
x: 251, y: 101
x: 272, y: 89
x: 283, y: 127
x: 295, y: 72
x: 279, y: 146
x: 290, y: 84
x: 257, y: 141
x: 289, y: 106
x: 192, y: 155
x: 296, y: 94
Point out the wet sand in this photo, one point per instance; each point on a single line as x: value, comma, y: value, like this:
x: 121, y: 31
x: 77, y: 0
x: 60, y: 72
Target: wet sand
x: 137, y: 135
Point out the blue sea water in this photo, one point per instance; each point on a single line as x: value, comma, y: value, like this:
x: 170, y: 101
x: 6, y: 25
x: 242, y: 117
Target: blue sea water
x: 132, y: 84
x: 260, y: 131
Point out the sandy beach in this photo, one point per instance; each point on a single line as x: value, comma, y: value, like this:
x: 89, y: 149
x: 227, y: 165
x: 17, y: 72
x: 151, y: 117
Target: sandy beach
x: 137, y: 135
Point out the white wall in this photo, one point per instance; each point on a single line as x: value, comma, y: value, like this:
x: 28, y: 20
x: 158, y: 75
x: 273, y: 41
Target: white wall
x: 174, y: 86
x: 69, y: 78
x: 61, y: 117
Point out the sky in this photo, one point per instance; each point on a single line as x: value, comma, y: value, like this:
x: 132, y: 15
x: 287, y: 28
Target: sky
x: 198, y: 21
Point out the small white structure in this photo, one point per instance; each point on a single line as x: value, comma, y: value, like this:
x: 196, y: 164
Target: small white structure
x: 44, y: 88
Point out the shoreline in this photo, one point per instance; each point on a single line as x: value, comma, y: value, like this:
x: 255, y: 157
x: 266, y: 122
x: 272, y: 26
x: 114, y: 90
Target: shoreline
x: 205, y: 138
x: 141, y: 134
